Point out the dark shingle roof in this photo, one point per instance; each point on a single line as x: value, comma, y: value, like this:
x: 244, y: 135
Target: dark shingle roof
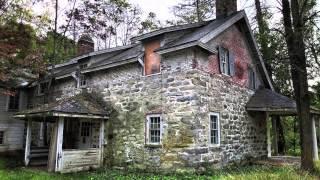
x: 198, y: 33
x: 81, y: 104
x: 268, y: 99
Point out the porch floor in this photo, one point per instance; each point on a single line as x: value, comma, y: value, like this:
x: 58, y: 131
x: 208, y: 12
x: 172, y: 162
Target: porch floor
x: 280, y: 161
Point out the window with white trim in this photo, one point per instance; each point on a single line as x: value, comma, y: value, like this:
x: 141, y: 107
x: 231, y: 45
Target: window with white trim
x: 1, y: 137
x: 214, y: 129
x: 154, y: 129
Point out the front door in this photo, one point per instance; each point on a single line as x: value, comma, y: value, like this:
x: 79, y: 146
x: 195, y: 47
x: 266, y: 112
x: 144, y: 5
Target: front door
x: 85, y: 134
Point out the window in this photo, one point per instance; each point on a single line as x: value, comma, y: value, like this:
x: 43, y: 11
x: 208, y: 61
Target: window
x: 14, y: 102
x: 83, y: 66
x: 214, y: 129
x: 154, y: 125
x: 85, y: 129
x: 43, y: 88
x: 227, y: 61
x: 82, y: 81
x: 252, y: 79
x: 1, y: 137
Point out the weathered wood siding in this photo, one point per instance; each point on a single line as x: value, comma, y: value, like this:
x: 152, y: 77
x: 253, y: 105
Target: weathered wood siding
x: 78, y: 160
x: 13, y: 128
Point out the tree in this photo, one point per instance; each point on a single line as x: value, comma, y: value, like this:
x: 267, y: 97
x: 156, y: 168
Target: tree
x: 190, y: 11
x: 150, y: 24
x: 295, y: 16
x: 267, y: 47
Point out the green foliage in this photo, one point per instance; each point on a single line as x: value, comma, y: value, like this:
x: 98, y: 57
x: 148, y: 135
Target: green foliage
x: 190, y: 11
x: 241, y: 173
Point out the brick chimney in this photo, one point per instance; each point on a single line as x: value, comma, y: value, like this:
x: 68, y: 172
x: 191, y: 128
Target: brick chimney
x: 85, y: 45
x: 225, y: 7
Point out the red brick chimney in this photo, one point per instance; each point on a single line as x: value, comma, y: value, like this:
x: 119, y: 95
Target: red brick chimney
x: 85, y: 45
x: 225, y: 7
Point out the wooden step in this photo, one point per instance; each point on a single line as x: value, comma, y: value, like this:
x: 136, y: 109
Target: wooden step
x: 37, y: 155
x: 39, y: 151
x: 38, y: 162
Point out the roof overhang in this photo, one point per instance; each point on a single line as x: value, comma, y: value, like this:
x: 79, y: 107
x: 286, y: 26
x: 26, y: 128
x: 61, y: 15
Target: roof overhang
x: 60, y: 114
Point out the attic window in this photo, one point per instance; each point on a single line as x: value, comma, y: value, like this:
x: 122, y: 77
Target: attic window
x: 226, y: 59
x: 43, y: 88
x: 83, y: 66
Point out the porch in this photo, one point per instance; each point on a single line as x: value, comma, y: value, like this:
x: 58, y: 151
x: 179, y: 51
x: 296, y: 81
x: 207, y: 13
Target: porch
x: 74, y: 132
x: 273, y: 104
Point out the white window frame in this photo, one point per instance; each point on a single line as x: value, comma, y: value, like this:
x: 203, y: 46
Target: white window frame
x: 39, y: 88
x: 218, y: 128
x: 148, y: 138
x: 225, y: 62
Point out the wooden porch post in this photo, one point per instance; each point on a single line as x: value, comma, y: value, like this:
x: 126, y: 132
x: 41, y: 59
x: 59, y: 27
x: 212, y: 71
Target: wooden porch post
x: 59, y: 144
x: 101, y: 142
x: 314, y: 138
x: 55, y: 152
x: 268, y: 135
x: 28, y: 143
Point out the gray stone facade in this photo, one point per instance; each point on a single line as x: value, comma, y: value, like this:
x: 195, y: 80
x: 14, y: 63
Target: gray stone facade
x: 184, y: 94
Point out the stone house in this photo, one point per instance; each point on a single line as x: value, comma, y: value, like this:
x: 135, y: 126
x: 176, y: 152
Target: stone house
x: 183, y: 97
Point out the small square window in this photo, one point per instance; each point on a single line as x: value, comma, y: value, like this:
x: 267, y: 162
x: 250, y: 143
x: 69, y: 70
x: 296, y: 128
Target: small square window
x: 154, y: 129
x: 83, y: 66
x: 1, y: 137
x: 214, y: 129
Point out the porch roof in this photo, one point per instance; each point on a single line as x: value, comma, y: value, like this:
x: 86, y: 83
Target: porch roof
x: 81, y: 105
x: 267, y: 100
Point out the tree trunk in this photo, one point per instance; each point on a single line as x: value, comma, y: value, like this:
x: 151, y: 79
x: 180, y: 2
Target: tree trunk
x: 281, y: 138
x: 294, y: 30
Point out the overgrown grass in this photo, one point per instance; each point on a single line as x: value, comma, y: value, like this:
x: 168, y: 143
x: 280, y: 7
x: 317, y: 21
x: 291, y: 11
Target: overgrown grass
x: 243, y: 173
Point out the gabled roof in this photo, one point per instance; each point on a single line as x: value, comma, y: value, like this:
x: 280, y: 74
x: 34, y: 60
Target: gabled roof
x: 76, y: 106
x: 169, y: 29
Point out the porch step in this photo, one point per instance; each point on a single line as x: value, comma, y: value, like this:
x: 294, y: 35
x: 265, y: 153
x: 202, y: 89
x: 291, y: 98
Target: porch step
x: 39, y: 151
x: 38, y: 162
x: 37, y: 155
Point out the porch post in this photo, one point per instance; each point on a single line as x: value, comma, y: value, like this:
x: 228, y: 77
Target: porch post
x: 268, y: 135
x: 101, y: 141
x: 314, y: 138
x: 28, y: 143
x: 59, y: 144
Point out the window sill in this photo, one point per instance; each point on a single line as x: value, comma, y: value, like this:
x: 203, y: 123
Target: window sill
x: 153, y: 145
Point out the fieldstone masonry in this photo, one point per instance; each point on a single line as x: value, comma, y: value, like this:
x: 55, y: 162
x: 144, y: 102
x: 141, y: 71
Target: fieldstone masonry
x: 184, y: 94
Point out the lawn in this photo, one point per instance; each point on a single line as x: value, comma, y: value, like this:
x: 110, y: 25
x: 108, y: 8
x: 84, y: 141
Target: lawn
x: 8, y: 172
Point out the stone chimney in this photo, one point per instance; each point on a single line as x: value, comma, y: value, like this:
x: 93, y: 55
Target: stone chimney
x: 225, y: 7
x: 85, y: 45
